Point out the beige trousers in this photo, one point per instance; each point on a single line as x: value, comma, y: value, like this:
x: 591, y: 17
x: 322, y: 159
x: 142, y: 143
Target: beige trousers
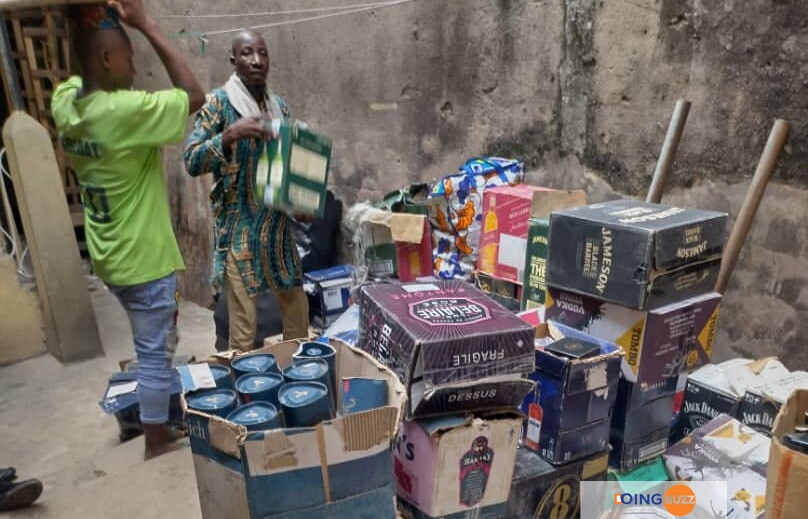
x: 242, y: 314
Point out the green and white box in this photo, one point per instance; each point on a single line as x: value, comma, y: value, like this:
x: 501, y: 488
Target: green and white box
x: 293, y: 173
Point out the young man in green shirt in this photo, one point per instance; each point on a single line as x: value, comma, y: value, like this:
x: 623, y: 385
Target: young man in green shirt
x: 112, y: 135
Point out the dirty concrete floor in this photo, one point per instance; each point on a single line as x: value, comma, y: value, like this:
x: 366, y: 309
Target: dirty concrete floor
x: 51, y: 427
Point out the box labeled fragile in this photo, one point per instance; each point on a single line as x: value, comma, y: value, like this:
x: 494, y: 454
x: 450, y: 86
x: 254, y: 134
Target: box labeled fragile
x: 725, y: 450
x: 543, y: 491
x: 635, y: 254
x: 454, y: 348
x: 455, y: 466
x: 570, y: 412
x: 659, y: 344
x: 340, y: 468
x: 293, y: 175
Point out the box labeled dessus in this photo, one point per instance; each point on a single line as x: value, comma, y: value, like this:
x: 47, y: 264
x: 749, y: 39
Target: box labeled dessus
x: 543, y: 491
x: 635, y: 254
x: 293, y: 175
x: 454, y: 348
x: 574, y: 396
x: 659, y: 344
x: 342, y: 467
x: 456, y: 466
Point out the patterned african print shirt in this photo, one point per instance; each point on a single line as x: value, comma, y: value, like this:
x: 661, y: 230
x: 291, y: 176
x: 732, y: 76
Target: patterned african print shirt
x: 260, y: 239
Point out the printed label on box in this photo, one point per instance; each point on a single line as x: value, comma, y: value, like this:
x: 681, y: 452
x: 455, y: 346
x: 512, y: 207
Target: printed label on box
x: 475, y: 468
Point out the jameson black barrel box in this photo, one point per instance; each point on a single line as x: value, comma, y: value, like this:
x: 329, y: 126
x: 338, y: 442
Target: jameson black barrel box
x: 542, y: 491
x: 455, y: 349
x: 635, y: 254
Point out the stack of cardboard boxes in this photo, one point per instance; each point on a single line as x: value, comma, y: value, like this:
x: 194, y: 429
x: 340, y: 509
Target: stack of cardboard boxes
x: 640, y: 275
x: 464, y: 360
x: 513, y: 242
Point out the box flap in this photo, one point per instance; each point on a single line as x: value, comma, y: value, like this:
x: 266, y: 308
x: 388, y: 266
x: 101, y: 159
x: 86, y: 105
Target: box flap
x: 226, y: 436
x: 363, y: 431
x: 546, y: 202
x: 407, y: 228
x: 439, y: 424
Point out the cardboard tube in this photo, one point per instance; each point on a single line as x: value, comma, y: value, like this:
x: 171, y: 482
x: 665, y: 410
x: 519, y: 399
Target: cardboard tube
x: 765, y: 170
x: 668, y: 153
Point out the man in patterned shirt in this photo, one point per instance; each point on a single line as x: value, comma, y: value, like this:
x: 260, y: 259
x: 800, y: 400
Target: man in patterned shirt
x: 254, y: 245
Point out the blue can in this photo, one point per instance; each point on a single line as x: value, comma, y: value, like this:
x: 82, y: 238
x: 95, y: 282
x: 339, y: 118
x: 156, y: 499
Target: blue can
x: 259, y: 387
x: 309, y: 370
x: 218, y: 402
x: 222, y: 376
x: 257, y: 416
x: 254, y: 363
x: 362, y: 394
x: 305, y: 404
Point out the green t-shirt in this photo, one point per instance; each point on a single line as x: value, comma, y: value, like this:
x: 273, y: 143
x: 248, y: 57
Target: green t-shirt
x: 113, y: 141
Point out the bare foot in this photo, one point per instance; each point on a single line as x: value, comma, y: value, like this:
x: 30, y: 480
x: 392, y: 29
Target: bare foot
x: 159, y: 440
x: 165, y: 449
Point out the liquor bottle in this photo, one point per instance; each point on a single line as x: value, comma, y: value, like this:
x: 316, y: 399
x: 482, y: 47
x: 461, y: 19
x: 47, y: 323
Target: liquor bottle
x: 262, y: 175
x: 489, y: 253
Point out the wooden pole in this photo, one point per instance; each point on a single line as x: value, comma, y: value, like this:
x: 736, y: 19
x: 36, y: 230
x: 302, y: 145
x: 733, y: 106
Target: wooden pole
x: 668, y: 153
x: 765, y: 170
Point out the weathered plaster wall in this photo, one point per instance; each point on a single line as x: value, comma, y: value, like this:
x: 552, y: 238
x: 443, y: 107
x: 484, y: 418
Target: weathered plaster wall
x: 580, y: 89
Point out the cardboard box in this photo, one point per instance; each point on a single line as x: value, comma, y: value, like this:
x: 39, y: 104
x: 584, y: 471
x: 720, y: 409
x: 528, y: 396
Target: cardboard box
x: 329, y: 292
x: 641, y: 478
x: 503, y: 240
x: 297, y: 171
x: 659, y: 344
x: 636, y: 254
x: 456, y: 466
x: 761, y: 403
x: 542, y: 491
x: 575, y: 397
x: 725, y: 450
x: 341, y: 468
x: 454, y: 348
x: 396, y: 244
x: 507, y: 293
x: 788, y: 469
x: 640, y: 431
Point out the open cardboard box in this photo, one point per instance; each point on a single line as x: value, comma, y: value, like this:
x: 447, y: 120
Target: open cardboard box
x: 788, y: 469
x: 340, y: 468
x: 396, y: 244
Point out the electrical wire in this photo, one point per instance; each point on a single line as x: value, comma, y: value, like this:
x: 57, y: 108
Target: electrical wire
x: 310, y: 18
x: 11, y: 233
x: 274, y: 13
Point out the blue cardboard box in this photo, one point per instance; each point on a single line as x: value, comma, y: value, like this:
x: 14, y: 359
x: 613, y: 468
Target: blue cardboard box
x: 575, y: 397
x: 329, y: 292
x: 340, y: 468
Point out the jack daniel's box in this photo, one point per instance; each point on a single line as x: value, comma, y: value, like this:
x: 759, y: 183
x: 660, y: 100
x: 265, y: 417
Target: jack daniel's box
x: 708, y: 393
x: 761, y: 403
x: 659, y: 344
x: 455, y: 349
x: 635, y: 254
x: 542, y: 491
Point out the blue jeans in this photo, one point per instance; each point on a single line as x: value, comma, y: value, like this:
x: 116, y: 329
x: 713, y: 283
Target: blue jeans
x: 151, y: 308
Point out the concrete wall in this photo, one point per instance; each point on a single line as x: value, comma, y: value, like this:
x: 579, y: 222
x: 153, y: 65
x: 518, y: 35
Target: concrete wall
x: 580, y: 89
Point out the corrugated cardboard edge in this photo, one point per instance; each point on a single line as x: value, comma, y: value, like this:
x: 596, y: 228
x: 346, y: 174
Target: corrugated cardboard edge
x: 546, y: 202
x: 781, y: 458
x: 226, y: 436
x: 363, y: 431
x: 407, y: 228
